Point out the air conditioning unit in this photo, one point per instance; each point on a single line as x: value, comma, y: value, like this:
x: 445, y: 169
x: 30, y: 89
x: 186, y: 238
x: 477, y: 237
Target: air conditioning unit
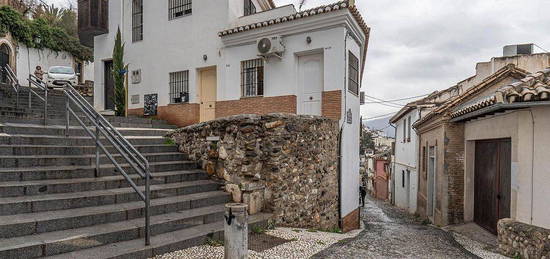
x: 270, y: 46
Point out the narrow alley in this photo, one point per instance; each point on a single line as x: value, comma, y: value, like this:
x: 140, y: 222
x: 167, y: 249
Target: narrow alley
x: 391, y: 233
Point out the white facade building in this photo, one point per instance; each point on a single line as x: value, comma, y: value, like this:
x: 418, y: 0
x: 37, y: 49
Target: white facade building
x: 405, y: 161
x: 201, y: 60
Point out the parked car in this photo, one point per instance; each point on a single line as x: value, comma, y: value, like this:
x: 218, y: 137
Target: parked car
x: 58, y: 76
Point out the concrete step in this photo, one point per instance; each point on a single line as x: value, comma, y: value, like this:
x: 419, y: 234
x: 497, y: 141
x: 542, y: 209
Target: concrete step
x: 42, y: 187
x: 53, y: 243
x: 73, y: 122
x: 31, y: 129
x: 42, y: 222
x: 71, y: 172
x: 63, y: 201
x: 160, y: 244
x: 26, y: 150
x: 88, y: 159
x: 20, y: 139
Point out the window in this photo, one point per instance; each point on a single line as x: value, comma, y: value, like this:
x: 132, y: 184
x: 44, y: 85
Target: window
x: 179, y: 8
x: 249, y: 7
x: 410, y: 128
x: 137, y: 20
x: 403, y: 178
x: 179, y: 87
x: 404, y: 130
x: 353, y: 82
x: 424, y: 155
x: 252, y: 77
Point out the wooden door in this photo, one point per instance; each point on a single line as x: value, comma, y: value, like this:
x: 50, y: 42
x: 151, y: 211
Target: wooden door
x: 492, y: 182
x: 310, y: 83
x: 4, y: 61
x: 109, y: 85
x: 208, y: 94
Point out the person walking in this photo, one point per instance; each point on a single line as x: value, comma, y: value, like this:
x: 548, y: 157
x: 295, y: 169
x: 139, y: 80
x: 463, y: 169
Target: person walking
x: 363, y: 193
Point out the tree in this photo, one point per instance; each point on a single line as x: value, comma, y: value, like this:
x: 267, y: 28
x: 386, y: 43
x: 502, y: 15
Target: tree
x: 25, y: 7
x: 367, y: 140
x: 119, y: 70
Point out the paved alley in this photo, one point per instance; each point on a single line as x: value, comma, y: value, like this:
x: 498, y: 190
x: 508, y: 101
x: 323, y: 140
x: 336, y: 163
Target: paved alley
x: 391, y: 233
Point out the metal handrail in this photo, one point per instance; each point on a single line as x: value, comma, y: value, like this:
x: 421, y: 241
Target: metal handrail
x: 35, y: 81
x: 105, y: 131
x: 13, y: 82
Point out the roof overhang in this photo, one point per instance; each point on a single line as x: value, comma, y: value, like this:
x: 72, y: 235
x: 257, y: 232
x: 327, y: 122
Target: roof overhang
x: 496, y: 108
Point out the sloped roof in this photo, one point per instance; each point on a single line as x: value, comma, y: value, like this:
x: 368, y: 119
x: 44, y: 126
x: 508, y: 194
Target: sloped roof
x: 508, y: 70
x: 300, y: 15
x: 532, y: 88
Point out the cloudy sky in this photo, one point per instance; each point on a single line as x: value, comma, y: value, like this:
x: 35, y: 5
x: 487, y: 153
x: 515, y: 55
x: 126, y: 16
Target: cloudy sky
x: 419, y: 46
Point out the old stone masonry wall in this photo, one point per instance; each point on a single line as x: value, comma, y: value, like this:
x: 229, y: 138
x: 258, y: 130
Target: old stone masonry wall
x: 281, y: 163
x: 516, y: 239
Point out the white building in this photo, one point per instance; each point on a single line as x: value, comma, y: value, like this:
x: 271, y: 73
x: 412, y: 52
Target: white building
x: 200, y: 60
x: 405, y: 159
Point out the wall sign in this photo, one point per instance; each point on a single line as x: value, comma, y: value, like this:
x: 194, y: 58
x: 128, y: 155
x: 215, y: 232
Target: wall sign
x: 151, y: 104
x: 349, y: 117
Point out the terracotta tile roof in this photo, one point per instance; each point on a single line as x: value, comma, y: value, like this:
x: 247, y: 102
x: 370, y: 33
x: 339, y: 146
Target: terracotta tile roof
x: 533, y: 87
x: 509, y: 70
x: 300, y: 15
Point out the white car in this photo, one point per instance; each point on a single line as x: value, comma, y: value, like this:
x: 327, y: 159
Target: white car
x: 58, y: 76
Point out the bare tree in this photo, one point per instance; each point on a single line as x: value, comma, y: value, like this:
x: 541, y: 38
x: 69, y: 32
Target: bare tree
x: 26, y: 7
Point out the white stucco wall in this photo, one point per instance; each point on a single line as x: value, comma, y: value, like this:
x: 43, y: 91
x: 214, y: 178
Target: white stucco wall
x: 530, y: 163
x: 406, y: 157
x: 45, y: 58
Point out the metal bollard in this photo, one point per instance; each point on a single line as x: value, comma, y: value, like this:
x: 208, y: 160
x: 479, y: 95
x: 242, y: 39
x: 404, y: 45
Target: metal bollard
x: 236, y: 231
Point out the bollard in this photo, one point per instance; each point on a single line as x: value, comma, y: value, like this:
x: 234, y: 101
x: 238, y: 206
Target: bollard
x: 236, y: 231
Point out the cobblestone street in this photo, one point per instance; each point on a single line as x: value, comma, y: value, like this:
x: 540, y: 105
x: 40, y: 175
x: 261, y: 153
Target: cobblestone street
x: 391, y: 233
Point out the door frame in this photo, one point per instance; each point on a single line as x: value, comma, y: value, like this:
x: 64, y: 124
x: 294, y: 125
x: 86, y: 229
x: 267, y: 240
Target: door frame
x: 105, y: 61
x: 199, y: 85
x: 432, y: 185
x: 299, y: 91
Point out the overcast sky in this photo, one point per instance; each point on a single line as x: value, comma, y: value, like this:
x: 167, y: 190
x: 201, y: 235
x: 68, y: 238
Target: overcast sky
x: 419, y: 46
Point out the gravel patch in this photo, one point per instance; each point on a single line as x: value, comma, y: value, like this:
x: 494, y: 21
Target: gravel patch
x: 303, y: 244
x: 476, y: 248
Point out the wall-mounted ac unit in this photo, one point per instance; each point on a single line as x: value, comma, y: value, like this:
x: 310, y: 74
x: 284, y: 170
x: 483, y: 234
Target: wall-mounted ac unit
x: 270, y: 46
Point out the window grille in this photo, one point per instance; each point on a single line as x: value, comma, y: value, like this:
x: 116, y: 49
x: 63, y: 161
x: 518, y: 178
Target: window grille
x: 179, y: 87
x: 249, y: 7
x: 179, y: 8
x: 137, y: 20
x: 353, y: 81
x: 252, y: 77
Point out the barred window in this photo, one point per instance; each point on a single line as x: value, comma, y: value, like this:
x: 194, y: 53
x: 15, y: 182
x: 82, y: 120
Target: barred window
x: 252, y: 77
x: 179, y: 8
x: 137, y: 20
x: 353, y: 82
x: 249, y: 7
x: 179, y: 87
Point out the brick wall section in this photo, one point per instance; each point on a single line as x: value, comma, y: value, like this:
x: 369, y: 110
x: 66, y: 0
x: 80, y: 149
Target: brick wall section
x: 454, y: 167
x: 181, y: 115
x: 332, y: 104
x: 256, y: 105
x: 351, y: 221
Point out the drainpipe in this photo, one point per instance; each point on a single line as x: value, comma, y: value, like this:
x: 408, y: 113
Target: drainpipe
x: 532, y: 164
x: 340, y: 138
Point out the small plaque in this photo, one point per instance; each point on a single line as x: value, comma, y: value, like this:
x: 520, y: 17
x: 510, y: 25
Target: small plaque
x: 135, y: 99
x: 213, y: 138
x: 349, y: 117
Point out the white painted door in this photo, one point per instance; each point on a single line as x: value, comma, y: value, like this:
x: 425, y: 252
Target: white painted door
x: 310, y: 84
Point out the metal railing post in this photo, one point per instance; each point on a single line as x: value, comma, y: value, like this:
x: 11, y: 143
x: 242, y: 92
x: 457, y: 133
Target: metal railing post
x: 147, y: 204
x: 46, y: 106
x: 67, y: 115
x: 30, y: 96
x: 97, y: 150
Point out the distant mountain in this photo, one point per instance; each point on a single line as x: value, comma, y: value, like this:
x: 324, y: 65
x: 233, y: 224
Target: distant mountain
x: 381, y: 124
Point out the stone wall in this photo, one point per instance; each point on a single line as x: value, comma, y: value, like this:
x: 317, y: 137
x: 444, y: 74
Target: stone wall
x: 521, y: 240
x: 281, y: 163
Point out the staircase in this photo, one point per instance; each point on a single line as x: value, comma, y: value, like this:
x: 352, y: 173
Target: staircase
x: 54, y: 204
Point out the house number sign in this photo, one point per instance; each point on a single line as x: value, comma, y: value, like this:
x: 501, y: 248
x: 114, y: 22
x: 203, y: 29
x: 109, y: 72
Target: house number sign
x: 349, y: 117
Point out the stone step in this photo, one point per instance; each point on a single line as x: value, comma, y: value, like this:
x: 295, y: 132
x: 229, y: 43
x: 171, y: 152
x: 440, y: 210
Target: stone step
x: 71, y: 172
x: 53, y: 243
x: 19, y: 139
x: 30, y: 129
x: 160, y: 244
x: 88, y: 159
x: 42, y: 187
x: 62, y: 201
x: 42, y: 222
x: 73, y: 122
x: 26, y: 150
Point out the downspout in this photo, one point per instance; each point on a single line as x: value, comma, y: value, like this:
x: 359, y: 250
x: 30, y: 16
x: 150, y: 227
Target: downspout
x: 340, y: 138
x: 532, y: 164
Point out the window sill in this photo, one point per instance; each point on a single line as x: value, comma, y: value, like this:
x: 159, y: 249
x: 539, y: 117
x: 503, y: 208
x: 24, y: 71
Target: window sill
x: 179, y: 17
x: 354, y: 94
x: 251, y: 97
